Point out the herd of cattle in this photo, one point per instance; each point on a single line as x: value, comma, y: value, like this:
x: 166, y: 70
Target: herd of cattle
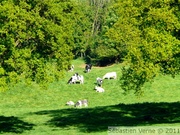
x: 76, y: 78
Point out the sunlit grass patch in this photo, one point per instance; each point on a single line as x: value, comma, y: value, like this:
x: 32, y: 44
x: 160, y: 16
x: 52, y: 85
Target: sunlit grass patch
x: 46, y: 112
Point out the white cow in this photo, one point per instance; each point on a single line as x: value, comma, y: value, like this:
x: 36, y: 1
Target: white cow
x: 70, y: 103
x: 110, y: 75
x: 99, y: 89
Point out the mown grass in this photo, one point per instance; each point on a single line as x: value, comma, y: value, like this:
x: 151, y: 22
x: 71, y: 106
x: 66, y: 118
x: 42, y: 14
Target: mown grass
x: 31, y: 110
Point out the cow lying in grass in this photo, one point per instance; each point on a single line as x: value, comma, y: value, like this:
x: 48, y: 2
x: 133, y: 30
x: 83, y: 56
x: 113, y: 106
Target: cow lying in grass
x: 80, y: 103
x: 110, y: 75
x: 99, y: 89
x: 76, y: 78
x: 70, y: 103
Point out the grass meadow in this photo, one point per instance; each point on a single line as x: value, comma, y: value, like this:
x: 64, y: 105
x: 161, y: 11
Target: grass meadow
x: 32, y: 111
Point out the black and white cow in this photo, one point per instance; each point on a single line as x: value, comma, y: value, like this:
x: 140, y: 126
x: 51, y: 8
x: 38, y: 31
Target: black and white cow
x: 76, y: 78
x: 88, y: 68
x: 80, y: 103
x: 99, y: 81
x: 71, y: 68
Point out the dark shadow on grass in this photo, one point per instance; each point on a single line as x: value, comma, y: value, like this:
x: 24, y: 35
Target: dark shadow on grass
x: 98, y: 119
x: 13, y: 125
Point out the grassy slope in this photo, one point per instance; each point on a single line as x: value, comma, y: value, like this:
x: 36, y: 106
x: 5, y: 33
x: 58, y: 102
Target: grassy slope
x: 29, y: 110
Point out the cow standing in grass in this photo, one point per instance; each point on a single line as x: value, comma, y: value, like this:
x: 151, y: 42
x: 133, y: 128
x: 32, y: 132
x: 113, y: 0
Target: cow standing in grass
x: 71, y: 68
x: 99, y: 81
x: 88, y: 68
x: 110, y: 75
x: 76, y: 78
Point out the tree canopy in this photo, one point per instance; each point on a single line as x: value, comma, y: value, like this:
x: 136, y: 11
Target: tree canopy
x: 36, y: 39
x: 149, y: 31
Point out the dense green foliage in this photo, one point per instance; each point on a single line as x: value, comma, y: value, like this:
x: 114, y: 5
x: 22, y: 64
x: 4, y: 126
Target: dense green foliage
x: 41, y: 36
x: 36, y: 37
x: 147, y: 28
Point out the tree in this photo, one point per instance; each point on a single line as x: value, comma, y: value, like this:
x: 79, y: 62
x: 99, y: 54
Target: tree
x: 107, y: 50
x: 82, y: 29
x: 36, y: 40
x: 92, y: 41
x: 148, y: 31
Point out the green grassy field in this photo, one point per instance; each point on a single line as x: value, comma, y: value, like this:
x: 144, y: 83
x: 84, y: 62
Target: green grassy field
x: 33, y: 111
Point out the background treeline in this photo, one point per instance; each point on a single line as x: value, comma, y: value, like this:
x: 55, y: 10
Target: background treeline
x: 38, y: 39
